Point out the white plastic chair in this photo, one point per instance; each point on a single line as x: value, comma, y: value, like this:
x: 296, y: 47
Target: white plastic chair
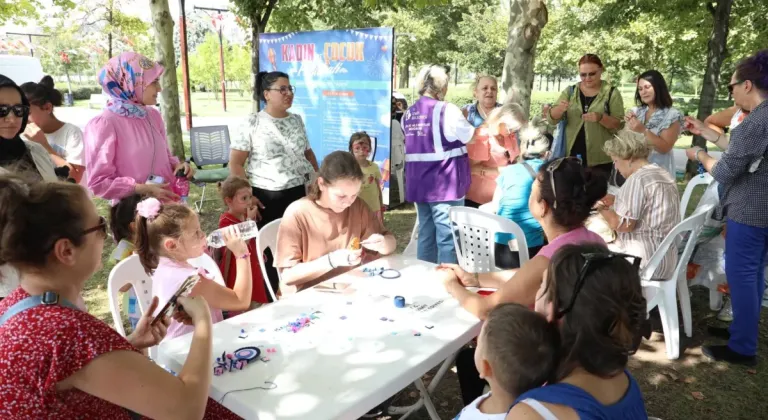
x: 206, y: 262
x: 475, y: 240
x: 267, y: 238
x: 661, y: 293
x: 412, y: 247
x: 129, y: 271
x: 703, y: 179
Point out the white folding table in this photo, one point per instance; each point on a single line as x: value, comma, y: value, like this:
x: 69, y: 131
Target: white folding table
x: 358, y: 350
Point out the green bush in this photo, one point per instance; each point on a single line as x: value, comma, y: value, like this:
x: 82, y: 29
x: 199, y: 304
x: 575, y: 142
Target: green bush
x: 84, y: 93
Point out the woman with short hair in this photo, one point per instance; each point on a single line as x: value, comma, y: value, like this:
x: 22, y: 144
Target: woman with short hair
x: 647, y: 205
x: 593, y: 109
x: 436, y: 163
x: 743, y: 173
x: 656, y: 119
x: 485, y: 89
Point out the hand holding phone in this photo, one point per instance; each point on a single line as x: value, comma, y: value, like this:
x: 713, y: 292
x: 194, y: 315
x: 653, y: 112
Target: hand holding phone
x: 170, y: 306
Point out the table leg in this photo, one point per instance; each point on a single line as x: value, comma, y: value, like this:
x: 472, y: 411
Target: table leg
x: 425, y: 393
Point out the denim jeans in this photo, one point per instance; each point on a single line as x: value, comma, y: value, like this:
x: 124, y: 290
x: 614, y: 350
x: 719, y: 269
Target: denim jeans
x: 435, y: 243
x: 745, y: 248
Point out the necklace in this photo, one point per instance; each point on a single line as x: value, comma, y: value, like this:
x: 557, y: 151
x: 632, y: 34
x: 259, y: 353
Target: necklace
x: 482, y: 112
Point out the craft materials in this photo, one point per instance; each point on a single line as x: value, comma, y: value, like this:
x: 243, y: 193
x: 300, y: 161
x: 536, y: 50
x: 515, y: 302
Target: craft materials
x: 383, y: 318
x: 416, y: 334
x: 300, y: 323
x: 385, y: 273
x: 354, y: 244
x: 269, y: 386
x: 343, y: 317
x: 429, y: 327
x: 235, y: 361
x: 399, y: 302
x: 243, y: 334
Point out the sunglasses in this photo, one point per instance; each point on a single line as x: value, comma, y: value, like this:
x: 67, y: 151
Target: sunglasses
x: 554, y: 166
x: 20, y: 111
x: 585, y: 75
x: 732, y: 85
x: 285, y: 89
x: 591, y: 260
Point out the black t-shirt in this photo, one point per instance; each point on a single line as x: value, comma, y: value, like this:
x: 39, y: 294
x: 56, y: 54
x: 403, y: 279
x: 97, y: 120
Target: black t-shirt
x: 580, y: 145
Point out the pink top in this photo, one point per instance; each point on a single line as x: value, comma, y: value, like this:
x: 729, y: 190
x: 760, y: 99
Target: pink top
x: 166, y: 281
x: 489, y: 152
x: 119, y: 153
x: 578, y: 236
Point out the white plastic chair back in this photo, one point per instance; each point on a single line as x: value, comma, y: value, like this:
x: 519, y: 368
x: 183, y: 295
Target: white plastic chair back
x: 128, y: 271
x: 703, y: 179
x: 412, y: 247
x: 207, y: 263
x: 267, y: 238
x: 474, y: 236
x: 661, y: 292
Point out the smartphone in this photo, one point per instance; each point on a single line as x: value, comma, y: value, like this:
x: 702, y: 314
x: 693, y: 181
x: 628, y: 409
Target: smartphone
x: 155, y: 179
x: 172, y: 304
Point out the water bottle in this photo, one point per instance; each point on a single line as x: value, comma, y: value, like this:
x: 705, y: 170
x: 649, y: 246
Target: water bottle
x: 701, y: 169
x: 248, y: 230
x: 180, y: 185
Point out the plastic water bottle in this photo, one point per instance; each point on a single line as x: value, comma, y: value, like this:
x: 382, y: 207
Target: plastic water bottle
x: 180, y: 185
x: 248, y: 230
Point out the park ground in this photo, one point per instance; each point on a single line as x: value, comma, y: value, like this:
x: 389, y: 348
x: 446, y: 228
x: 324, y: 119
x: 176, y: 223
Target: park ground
x: 688, y: 388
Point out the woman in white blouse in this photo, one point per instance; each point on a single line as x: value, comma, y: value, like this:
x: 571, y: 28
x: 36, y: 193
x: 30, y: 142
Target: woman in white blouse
x: 646, y: 207
x: 63, y: 141
x: 656, y: 119
x: 272, y: 151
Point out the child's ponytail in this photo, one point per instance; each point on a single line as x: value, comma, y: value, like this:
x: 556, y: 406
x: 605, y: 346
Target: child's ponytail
x: 154, y: 222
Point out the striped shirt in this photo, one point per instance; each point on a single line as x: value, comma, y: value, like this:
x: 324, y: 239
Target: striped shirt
x: 743, y: 173
x: 650, y: 197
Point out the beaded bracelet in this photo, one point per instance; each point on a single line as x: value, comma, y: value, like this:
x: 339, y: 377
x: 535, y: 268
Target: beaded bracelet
x: 244, y: 256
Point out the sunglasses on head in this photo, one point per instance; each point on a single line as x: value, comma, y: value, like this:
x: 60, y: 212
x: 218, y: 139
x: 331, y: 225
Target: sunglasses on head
x: 732, y: 85
x: 591, y: 260
x: 20, y: 111
x: 551, y: 168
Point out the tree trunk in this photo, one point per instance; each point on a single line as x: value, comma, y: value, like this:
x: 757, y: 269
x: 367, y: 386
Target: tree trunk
x: 109, y: 36
x: 404, y: 74
x: 559, y: 79
x: 540, y: 77
x: 716, y: 53
x: 69, y: 81
x: 526, y: 20
x: 162, y: 23
x: 547, y: 83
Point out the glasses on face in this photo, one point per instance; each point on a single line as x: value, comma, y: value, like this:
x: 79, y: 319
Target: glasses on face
x: 285, y: 90
x: 101, y: 228
x: 732, y: 85
x: 20, y: 111
x: 554, y: 166
x: 590, y: 261
x: 585, y: 75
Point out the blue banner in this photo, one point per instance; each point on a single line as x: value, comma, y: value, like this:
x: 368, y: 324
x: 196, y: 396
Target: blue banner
x: 343, y: 81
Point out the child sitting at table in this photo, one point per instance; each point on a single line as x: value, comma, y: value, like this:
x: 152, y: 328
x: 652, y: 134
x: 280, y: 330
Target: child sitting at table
x: 313, y: 242
x: 516, y: 351
x: 167, y: 235
x: 370, y: 191
x: 121, y: 224
x: 236, y: 193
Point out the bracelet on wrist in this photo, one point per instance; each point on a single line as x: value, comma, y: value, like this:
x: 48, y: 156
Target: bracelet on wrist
x: 244, y: 256
x: 330, y: 262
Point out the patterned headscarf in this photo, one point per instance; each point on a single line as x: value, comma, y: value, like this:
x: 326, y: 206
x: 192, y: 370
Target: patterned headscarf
x: 124, y: 78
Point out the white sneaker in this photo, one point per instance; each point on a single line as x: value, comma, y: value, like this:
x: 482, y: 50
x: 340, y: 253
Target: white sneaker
x: 726, y: 314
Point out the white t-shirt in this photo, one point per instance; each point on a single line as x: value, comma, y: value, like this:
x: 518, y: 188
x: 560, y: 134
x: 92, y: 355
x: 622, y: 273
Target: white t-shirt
x: 472, y: 412
x: 67, y: 142
x: 398, y: 145
x: 276, y: 149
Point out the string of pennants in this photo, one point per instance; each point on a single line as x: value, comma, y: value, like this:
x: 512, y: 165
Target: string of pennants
x: 369, y: 36
x: 276, y: 40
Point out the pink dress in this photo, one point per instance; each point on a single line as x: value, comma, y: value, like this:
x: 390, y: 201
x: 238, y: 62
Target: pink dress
x: 166, y: 280
x: 121, y: 152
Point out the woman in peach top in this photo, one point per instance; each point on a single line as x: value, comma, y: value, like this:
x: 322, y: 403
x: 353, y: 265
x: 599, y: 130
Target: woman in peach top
x: 495, y: 145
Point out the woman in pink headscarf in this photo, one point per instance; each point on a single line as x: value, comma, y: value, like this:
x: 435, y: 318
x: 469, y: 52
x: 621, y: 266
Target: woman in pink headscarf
x: 126, y: 150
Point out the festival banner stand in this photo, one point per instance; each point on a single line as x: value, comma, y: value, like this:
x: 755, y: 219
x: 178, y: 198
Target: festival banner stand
x: 343, y: 81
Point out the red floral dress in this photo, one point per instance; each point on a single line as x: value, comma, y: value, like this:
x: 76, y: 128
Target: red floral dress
x: 44, y: 345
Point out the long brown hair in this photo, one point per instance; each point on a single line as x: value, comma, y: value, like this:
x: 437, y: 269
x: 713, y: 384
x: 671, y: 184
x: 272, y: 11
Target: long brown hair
x: 337, y: 165
x: 169, y: 223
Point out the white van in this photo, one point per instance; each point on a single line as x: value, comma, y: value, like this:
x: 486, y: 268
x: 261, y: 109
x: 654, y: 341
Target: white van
x: 21, y: 69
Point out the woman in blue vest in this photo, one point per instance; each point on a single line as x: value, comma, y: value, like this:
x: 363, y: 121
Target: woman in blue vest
x: 436, y: 163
